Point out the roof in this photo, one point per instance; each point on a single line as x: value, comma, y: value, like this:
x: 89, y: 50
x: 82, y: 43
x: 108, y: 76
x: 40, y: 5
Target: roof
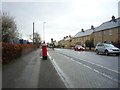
x: 68, y: 38
x: 85, y: 33
x: 108, y: 25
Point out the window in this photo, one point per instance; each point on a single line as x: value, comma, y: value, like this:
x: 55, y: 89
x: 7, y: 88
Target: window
x: 101, y: 45
x: 99, y: 41
x: 95, y: 42
x: 104, y: 32
x: 99, y: 33
x: 118, y: 30
x: 94, y: 34
x: 110, y: 32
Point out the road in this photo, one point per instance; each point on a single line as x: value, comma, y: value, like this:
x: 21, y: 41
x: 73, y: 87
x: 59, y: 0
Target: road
x: 77, y: 70
x: 86, y: 69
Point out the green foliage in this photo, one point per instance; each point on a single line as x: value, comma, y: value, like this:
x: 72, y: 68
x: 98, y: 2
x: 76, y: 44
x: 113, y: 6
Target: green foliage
x: 89, y: 43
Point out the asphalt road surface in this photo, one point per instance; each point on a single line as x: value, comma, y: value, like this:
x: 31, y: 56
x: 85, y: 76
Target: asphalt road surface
x: 86, y: 69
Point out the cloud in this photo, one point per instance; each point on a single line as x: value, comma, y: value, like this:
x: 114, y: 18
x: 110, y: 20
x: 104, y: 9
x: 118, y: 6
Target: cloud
x: 62, y: 17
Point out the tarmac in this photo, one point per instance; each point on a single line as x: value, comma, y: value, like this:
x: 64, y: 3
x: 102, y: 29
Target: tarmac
x: 49, y: 77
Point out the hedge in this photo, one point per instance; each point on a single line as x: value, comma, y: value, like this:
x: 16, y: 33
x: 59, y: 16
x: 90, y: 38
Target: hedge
x: 11, y: 51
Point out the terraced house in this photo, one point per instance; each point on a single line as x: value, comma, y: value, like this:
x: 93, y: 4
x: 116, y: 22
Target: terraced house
x: 81, y: 37
x: 65, y: 42
x: 108, y: 32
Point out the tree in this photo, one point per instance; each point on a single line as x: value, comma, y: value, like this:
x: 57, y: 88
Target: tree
x: 9, y: 29
x: 37, y: 38
x: 89, y: 43
x: 0, y: 27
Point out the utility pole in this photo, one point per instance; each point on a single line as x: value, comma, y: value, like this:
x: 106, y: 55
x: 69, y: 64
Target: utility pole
x: 44, y: 32
x: 33, y: 32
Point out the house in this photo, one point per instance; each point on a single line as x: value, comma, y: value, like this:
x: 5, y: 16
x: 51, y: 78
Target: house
x: 81, y: 37
x: 65, y: 42
x: 108, y: 32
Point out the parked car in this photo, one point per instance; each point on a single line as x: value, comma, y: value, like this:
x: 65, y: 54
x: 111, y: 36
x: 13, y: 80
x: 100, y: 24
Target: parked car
x: 107, y: 49
x: 79, y: 48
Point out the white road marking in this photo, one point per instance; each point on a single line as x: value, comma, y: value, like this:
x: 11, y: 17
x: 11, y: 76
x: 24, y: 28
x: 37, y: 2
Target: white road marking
x: 103, y: 74
x: 97, y: 65
x: 97, y: 71
x: 60, y: 72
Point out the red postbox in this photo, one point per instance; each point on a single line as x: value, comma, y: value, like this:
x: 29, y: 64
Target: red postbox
x: 44, y: 52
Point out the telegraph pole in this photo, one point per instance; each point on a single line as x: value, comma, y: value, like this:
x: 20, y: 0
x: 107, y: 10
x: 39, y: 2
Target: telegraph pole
x: 33, y: 32
x: 44, y: 32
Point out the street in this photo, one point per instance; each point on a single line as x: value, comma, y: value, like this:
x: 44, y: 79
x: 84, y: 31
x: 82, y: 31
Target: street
x: 71, y: 44
x: 66, y: 68
x: 86, y: 69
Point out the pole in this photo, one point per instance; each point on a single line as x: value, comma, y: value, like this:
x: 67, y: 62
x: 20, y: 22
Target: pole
x: 102, y: 36
x: 33, y: 32
x: 44, y: 32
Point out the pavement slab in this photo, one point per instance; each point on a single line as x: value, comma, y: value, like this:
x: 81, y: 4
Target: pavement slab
x: 30, y: 71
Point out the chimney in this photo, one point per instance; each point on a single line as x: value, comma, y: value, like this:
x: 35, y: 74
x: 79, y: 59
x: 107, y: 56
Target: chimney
x: 70, y: 36
x: 82, y: 30
x: 113, y: 18
x: 92, y: 27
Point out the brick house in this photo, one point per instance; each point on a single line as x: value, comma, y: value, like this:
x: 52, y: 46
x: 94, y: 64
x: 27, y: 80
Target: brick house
x: 108, y: 32
x: 81, y: 37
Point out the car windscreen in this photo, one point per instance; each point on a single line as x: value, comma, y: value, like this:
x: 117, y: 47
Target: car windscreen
x: 109, y: 45
x: 79, y: 46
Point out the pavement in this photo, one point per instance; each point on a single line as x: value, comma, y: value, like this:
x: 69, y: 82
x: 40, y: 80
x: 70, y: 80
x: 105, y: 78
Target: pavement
x: 30, y: 71
x: 49, y: 77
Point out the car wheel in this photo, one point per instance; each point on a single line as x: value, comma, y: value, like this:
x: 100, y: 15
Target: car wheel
x: 97, y: 52
x: 117, y: 54
x: 106, y: 52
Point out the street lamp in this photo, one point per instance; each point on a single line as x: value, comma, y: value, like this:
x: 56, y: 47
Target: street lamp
x: 33, y: 32
x: 44, y: 32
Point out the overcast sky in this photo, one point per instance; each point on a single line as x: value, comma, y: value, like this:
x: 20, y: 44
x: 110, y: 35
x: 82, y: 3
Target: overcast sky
x: 62, y: 17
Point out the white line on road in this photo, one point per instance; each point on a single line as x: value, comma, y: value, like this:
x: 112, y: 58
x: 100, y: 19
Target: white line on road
x: 92, y: 69
x: 101, y: 66
x: 95, y: 64
x: 60, y: 72
x: 95, y: 70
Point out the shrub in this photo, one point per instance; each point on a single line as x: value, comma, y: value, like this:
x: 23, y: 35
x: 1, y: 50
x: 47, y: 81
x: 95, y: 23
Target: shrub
x: 12, y: 51
x: 117, y: 44
x: 89, y: 43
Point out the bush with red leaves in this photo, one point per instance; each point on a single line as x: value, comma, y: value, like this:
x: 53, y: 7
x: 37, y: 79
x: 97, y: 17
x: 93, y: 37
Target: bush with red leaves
x: 11, y: 51
x: 117, y: 44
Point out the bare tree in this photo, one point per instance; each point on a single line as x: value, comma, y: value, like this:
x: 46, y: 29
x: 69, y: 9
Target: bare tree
x: 37, y: 38
x: 9, y: 29
x: 0, y: 27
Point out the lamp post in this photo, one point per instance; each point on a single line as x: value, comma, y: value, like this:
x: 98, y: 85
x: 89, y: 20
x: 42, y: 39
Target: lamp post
x: 33, y: 32
x: 44, y: 47
x: 44, y: 32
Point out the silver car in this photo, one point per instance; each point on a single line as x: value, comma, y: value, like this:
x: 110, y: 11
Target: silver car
x: 107, y: 49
